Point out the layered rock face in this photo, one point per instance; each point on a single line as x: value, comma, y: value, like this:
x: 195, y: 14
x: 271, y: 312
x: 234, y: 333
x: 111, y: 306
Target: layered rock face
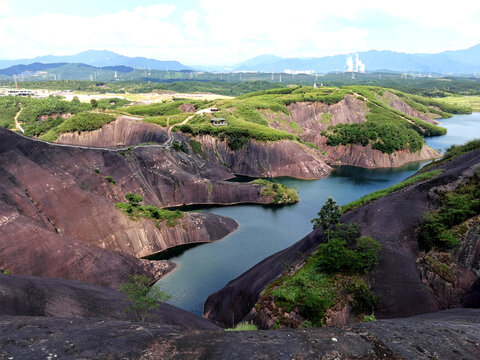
x: 56, y: 203
x: 125, y: 131
x: 400, y: 105
x: 313, y: 118
x: 366, y: 157
x: 392, y: 220
x: 256, y: 159
x: 273, y: 159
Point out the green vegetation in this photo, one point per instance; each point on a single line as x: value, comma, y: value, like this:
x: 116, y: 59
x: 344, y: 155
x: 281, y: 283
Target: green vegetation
x: 237, y: 133
x: 197, y: 148
x: 167, y: 120
x: 48, y: 117
x: 369, y: 318
x: 111, y: 104
x: 159, y: 109
x: 386, y: 129
x: 85, y: 121
x: 455, y: 151
x: 136, y: 211
x: 380, y: 193
x: 467, y: 102
x: 244, y: 326
x: 282, y: 194
x: 110, y: 179
x: 329, y: 215
x: 334, y: 273
x: 142, y: 298
x: 9, y: 107
x: 457, y: 206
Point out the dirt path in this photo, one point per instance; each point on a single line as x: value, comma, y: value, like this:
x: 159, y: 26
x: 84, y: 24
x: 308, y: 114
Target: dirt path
x: 17, y: 124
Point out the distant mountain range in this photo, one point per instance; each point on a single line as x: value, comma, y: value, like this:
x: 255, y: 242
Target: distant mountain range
x: 85, y: 63
x: 448, y: 62
x: 100, y: 58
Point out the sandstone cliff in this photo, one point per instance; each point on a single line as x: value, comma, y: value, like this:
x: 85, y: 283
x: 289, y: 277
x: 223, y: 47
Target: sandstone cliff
x: 314, y: 117
x: 62, y: 192
x: 256, y: 159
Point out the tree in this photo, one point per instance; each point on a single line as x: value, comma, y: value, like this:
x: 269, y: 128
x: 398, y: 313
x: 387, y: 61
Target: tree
x: 142, y: 298
x: 94, y: 103
x: 328, y: 216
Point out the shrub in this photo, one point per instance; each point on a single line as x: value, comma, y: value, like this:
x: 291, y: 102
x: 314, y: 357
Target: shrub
x: 133, y: 199
x: 364, y: 300
x: 85, y: 121
x: 109, y: 179
x: 142, y: 299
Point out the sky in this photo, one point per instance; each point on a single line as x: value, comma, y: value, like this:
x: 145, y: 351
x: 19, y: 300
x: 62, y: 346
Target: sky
x: 224, y: 32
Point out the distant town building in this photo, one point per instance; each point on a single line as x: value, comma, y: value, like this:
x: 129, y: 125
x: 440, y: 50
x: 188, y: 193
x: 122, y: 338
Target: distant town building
x: 218, y: 122
x: 19, y: 92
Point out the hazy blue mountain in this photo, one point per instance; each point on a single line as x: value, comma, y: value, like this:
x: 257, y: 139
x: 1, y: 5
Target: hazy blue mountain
x: 459, y: 62
x: 101, y: 58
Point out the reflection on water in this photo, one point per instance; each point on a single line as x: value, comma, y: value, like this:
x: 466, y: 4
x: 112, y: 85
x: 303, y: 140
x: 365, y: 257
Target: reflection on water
x: 266, y: 230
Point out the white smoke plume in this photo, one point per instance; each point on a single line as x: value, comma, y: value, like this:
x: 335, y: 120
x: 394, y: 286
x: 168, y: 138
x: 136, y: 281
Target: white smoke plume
x: 359, y: 65
x: 349, y: 64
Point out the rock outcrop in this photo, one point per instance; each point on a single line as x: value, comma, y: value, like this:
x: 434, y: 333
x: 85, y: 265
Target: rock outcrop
x: 256, y: 159
x: 400, y: 105
x: 392, y: 220
x: 444, y: 335
x: 125, y: 131
x: 62, y: 193
x: 366, y: 157
x: 33, y: 296
x: 271, y: 159
x: 314, y: 117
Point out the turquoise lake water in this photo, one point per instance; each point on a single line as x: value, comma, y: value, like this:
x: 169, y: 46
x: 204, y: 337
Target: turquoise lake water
x: 265, y: 230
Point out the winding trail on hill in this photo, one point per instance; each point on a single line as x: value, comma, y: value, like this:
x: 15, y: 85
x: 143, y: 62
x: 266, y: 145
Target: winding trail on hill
x: 17, y: 124
x: 169, y: 142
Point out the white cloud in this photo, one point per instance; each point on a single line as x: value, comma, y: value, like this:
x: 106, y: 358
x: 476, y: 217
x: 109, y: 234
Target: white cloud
x: 4, y: 8
x: 220, y: 31
x: 190, y: 18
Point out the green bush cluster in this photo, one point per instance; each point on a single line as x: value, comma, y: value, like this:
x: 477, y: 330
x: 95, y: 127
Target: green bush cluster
x: 166, y: 120
x: 335, y: 256
x: 158, y: 109
x: 112, y: 103
x: 135, y: 211
x: 282, y: 194
x: 237, y: 133
x: 456, y: 207
x: 334, y: 271
x: 85, y: 121
x: 9, y: 106
x: 386, y: 128
x: 34, y: 108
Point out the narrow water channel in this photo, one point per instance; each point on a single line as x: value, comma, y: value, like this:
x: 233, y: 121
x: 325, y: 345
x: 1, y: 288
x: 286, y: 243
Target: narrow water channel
x: 265, y: 230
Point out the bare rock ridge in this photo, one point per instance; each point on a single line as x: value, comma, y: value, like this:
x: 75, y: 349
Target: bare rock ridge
x: 57, y: 298
x: 446, y: 335
x: 55, y: 203
x: 391, y: 220
x: 122, y: 132
x: 256, y: 159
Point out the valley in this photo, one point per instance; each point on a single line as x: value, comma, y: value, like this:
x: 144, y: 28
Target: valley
x: 106, y: 188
